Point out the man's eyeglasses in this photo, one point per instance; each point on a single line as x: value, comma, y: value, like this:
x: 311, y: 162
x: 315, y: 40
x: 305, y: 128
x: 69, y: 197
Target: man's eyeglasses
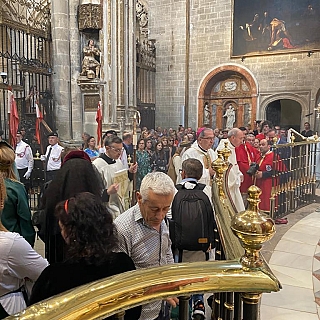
x: 171, y: 140
x: 116, y: 150
x: 209, y: 138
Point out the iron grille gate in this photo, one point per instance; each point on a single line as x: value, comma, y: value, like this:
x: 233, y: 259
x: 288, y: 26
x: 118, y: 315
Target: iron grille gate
x: 25, y: 66
x: 146, y: 72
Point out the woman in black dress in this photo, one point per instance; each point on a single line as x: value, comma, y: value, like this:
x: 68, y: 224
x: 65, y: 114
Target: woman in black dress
x: 87, y: 228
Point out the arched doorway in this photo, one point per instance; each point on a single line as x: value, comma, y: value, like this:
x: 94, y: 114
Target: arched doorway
x: 285, y: 113
x: 225, y: 86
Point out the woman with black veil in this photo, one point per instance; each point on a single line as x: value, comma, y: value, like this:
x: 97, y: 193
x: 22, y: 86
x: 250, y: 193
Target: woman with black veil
x: 76, y: 175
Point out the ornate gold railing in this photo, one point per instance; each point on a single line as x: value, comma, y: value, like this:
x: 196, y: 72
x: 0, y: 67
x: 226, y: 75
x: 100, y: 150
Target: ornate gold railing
x: 294, y: 175
x: 244, y: 273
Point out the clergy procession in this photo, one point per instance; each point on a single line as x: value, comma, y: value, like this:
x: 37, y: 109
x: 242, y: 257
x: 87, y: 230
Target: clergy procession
x: 101, y: 209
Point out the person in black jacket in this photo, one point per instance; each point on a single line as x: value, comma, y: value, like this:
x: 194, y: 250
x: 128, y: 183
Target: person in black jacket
x: 159, y: 161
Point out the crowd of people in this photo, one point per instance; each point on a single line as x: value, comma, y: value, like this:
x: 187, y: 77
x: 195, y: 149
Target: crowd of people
x: 90, y: 231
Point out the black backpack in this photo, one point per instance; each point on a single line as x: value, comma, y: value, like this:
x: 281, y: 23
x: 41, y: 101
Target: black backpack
x: 192, y: 226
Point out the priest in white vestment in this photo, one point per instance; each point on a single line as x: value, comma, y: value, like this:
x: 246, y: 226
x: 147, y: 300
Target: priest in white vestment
x: 115, y: 176
x: 235, y: 139
x: 201, y: 150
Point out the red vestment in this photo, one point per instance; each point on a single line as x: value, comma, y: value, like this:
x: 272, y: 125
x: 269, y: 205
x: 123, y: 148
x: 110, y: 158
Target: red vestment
x: 246, y: 154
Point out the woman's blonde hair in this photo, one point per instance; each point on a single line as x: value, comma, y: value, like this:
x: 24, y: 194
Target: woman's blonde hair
x: 7, y: 157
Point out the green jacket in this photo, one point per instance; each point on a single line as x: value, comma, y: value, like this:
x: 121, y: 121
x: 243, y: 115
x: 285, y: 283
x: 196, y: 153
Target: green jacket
x: 16, y: 215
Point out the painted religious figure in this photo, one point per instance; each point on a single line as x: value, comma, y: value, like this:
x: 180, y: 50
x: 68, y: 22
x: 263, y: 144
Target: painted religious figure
x: 206, y: 114
x: 90, y: 65
x: 230, y: 114
x: 266, y: 26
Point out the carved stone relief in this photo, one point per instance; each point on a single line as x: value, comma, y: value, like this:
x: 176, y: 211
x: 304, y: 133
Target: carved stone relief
x: 90, y: 16
x: 142, y: 14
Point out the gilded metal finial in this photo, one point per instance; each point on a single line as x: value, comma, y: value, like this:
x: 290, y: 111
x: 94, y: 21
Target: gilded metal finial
x: 253, y: 229
x: 220, y: 166
x: 129, y: 160
x: 225, y: 152
x: 37, y: 155
x: 292, y: 138
x: 275, y: 140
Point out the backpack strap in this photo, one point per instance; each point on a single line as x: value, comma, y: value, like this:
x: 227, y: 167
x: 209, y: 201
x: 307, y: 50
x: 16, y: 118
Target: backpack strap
x: 198, y: 186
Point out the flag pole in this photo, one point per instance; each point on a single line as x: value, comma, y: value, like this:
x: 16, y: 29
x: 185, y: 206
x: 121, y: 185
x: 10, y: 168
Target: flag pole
x: 9, y: 111
x: 136, y: 121
x: 99, y: 123
x: 101, y: 142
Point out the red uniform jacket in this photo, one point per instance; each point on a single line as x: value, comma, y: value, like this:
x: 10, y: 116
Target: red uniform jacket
x: 265, y: 183
x: 246, y: 154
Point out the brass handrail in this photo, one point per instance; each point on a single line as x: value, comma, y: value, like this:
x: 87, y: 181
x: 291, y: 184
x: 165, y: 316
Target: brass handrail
x: 248, y: 273
x: 112, y: 295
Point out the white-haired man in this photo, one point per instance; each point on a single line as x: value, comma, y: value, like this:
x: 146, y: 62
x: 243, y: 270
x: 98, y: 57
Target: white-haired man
x: 143, y: 233
x: 235, y: 139
x: 201, y: 150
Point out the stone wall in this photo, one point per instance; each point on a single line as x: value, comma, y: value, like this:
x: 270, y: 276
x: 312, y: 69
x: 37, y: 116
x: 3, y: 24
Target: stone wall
x: 210, y: 46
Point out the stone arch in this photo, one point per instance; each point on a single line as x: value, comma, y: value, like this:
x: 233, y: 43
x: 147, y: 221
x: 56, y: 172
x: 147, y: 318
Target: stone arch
x: 246, y: 100
x: 302, y: 97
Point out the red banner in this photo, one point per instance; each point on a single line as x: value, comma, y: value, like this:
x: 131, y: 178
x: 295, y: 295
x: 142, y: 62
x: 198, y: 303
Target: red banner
x: 13, y: 118
x: 38, y: 121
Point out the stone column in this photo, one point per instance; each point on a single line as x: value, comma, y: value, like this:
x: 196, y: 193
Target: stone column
x: 132, y: 56
x: 114, y: 62
x: 106, y: 63
x: 65, y: 63
x: 129, y: 62
x: 61, y: 65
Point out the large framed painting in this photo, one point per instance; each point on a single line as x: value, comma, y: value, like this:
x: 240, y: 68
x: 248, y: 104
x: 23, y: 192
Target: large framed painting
x: 275, y: 26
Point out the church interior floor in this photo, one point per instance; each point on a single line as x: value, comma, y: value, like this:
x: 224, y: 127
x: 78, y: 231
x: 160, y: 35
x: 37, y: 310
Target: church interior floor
x: 294, y: 256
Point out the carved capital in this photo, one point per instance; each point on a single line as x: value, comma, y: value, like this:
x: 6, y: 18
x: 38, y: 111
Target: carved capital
x: 89, y: 86
x: 90, y: 16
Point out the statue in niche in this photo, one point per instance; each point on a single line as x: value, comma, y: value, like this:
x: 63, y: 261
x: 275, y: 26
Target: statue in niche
x: 90, y: 66
x: 206, y: 114
x: 230, y: 114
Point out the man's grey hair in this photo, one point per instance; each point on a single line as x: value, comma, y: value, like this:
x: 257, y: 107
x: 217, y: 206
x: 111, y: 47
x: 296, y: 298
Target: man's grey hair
x: 233, y: 132
x: 251, y: 135
x: 203, y: 132
x: 158, y: 182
